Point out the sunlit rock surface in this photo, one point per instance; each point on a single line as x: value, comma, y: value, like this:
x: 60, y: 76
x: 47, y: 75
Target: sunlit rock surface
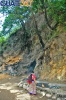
x: 48, y: 64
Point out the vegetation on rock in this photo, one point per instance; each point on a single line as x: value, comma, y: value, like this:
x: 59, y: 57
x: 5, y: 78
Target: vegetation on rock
x: 35, y: 32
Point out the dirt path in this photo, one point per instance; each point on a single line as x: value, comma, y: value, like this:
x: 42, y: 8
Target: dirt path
x: 9, y: 91
x: 6, y: 95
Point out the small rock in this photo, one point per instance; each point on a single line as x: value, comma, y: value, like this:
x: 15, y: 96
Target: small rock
x: 21, y: 85
x: 14, y: 91
x: 8, y: 88
x: 54, y: 97
x: 9, y: 78
x: 58, y: 98
x: 48, y: 95
x: 23, y: 97
x: 43, y: 93
x: 43, y: 85
x: 25, y: 86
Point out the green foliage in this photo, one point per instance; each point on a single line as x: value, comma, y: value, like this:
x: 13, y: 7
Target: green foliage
x: 16, y: 16
x: 57, y: 8
x: 36, y: 5
x: 2, y: 39
x: 10, y: 23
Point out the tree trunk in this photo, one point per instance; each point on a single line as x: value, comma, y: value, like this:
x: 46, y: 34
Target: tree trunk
x: 38, y: 32
x: 44, y: 6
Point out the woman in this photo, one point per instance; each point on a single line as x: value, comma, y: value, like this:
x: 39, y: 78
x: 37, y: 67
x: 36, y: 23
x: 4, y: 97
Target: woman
x: 32, y: 84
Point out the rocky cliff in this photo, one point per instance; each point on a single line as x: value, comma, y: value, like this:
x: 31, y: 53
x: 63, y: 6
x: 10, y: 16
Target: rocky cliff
x: 48, y: 63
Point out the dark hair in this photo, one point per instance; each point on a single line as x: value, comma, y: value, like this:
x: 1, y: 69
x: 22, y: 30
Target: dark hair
x: 32, y: 71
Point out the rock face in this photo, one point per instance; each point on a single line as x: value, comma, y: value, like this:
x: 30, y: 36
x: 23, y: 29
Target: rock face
x: 49, y: 63
x: 55, y: 59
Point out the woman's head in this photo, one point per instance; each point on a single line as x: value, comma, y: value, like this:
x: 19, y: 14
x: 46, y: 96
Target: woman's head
x: 32, y: 71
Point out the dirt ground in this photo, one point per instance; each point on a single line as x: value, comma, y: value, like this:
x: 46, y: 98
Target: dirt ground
x: 24, y: 95
x: 6, y: 95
